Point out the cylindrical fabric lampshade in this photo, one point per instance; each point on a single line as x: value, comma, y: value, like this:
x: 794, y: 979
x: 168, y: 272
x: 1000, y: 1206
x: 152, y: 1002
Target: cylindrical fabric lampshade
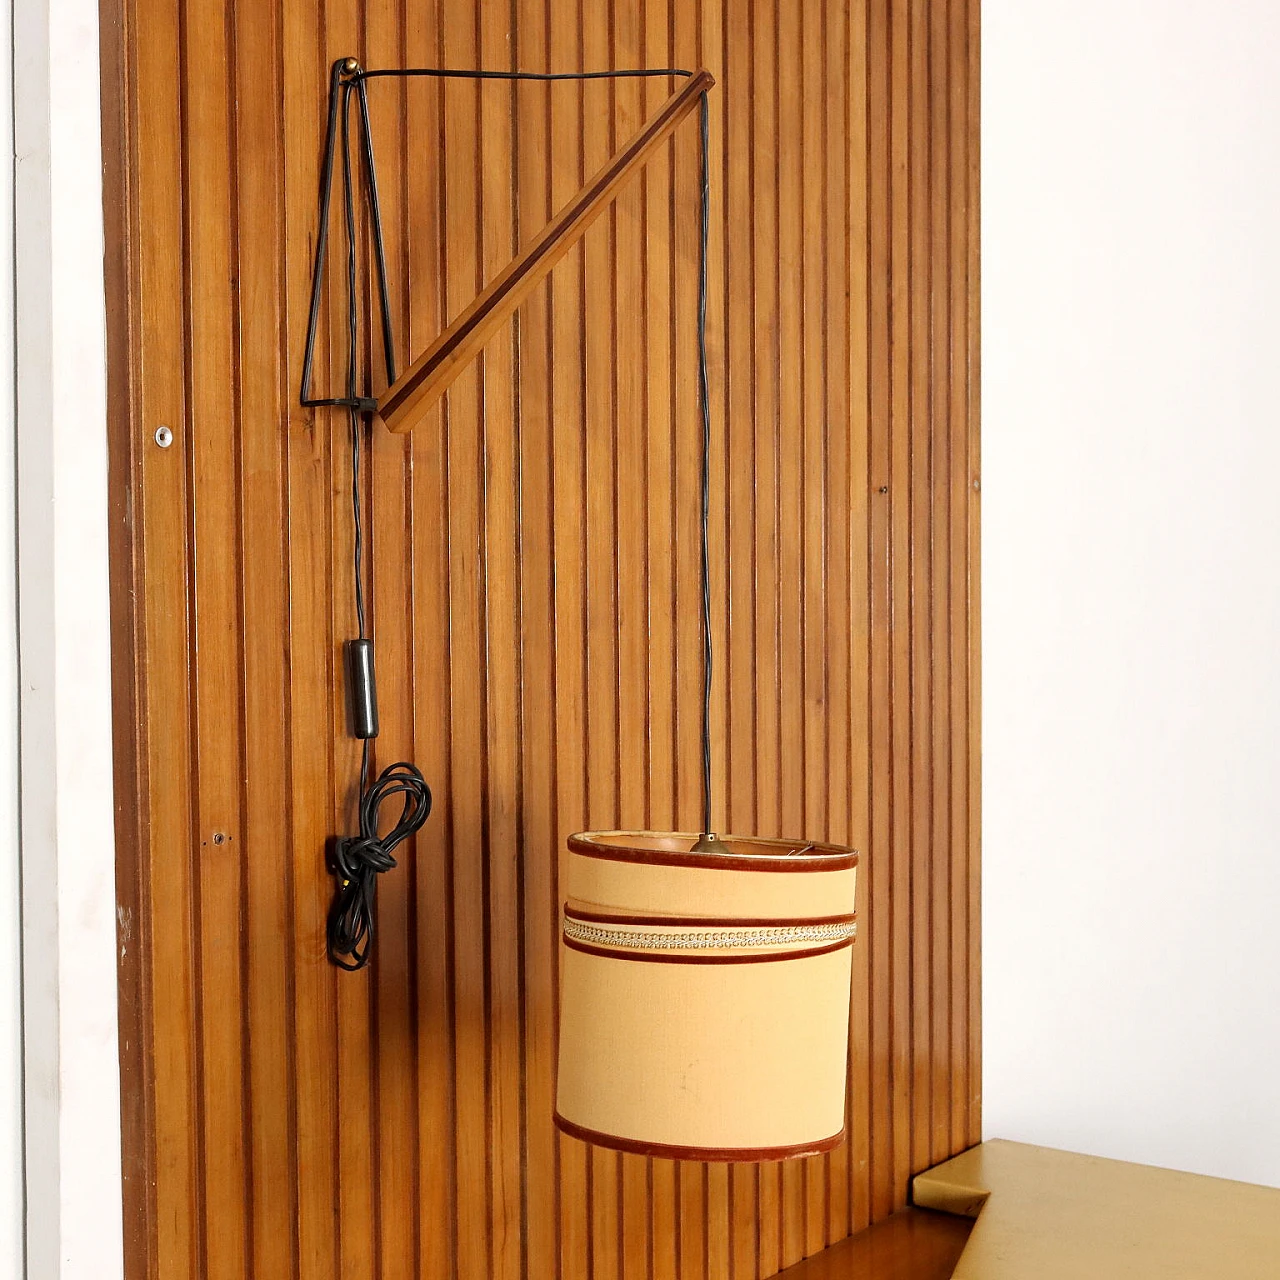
x: 704, y: 998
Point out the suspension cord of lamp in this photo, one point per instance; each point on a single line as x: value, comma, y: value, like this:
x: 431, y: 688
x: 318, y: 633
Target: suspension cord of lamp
x: 358, y: 861
x: 704, y: 514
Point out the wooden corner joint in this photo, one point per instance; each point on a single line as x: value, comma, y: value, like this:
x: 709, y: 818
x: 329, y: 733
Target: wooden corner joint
x: 425, y: 381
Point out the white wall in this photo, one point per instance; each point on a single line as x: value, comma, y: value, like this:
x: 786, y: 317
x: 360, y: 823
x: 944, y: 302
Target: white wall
x: 1131, y: 579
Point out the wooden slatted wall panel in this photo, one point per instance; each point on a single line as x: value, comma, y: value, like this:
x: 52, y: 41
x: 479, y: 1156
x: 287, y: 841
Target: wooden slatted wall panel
x: 534, y: 591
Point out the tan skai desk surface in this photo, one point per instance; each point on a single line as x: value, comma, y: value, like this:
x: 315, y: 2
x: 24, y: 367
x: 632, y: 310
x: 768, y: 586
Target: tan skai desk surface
x: 1051, y: 1215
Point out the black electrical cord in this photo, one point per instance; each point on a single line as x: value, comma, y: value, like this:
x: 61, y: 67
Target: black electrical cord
x: 449, y: 73
x: 358, y: 861
x: 704, y: 396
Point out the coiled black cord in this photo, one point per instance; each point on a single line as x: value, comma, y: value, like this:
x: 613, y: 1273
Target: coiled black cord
x: 359, y: 860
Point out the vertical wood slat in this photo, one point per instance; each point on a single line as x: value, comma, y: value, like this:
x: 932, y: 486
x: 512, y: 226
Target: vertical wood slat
x: 691, y: 1179
x: 630, y: 380
x: 657, y: 186
x: 568, y: 429
x: 537, y: 726
x: 268, y: 907
x: 739, y: 654
x: 137, y: 1066
x: 394, y: 1011
x: 356, y: 1133
x: 836, y: 408
x: 878, y: 891
x: 920, y: 558
x: 711, y: 48
x: 502, y: 627
x: 902, y: 721
x: 859, y: 544
x: 764, y: 327
x: 789, y: 496
x: 533, y: 586
x: 164, y: 937
x: 214, y: 558
x: 436, y: 1076
x: 599, y: 497
x: 942, y: 1012
x: 815, y: 494
x: 465, y: 408
x: 962, y: 730
x: 314, y: 1087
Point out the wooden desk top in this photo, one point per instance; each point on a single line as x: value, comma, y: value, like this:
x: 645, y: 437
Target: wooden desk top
x: 914, y: 1244
x: 1053, y: 1215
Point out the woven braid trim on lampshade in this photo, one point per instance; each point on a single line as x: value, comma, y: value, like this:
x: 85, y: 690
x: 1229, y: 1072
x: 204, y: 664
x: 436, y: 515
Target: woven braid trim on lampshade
x: 725, y: 937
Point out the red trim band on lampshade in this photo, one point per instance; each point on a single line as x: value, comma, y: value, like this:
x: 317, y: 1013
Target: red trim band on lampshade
x: 789, y: 855
x: 667, y: 1151
x: 702, y: 922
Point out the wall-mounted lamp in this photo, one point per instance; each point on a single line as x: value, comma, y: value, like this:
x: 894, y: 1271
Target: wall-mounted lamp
x: 705, y: 981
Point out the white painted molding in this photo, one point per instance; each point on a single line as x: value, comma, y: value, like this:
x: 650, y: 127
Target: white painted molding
x: 11, y: 1179
x: 73, y: 1178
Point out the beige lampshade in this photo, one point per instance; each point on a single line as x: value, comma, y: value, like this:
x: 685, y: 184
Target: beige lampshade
x: 704, y: 996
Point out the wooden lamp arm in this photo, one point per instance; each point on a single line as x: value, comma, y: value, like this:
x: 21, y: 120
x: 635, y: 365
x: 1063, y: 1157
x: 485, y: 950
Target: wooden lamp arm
x: 425, y: 381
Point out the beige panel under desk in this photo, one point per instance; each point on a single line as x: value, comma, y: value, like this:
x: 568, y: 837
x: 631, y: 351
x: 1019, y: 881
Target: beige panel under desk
x: 1054, y: 1215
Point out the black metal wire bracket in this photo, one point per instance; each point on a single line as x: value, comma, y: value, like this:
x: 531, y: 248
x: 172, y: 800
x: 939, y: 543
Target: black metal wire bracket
x: 346, y: 78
